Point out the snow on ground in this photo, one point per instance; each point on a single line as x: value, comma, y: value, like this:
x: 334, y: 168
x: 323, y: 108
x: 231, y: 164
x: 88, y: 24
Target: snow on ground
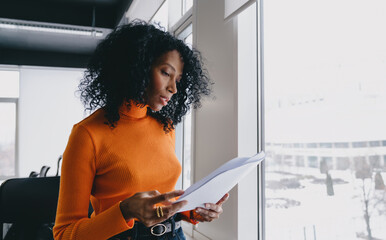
x: 317, y: 215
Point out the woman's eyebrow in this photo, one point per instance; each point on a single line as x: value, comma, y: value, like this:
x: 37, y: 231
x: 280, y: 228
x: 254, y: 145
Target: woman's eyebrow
x: 171, y: 66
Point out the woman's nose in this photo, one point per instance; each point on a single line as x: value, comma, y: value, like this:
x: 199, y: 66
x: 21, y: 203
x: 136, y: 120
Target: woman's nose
x: 172, y: 88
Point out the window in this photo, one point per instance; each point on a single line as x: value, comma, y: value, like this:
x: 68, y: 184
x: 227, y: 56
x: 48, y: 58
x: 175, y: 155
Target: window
x: 342, y: 163
x: 359, y: 144
x: 186, y: 5
x: 187, y: 36
x: 326, y: 145
x: 169, y: 17
x: 341, y: 145
x: 375, y: 143
x: 312, y: 161
x: 9, y: 82
x: 324, y: 84
x: 296, y: 145
x: 161, y: 16
x: 9, y: 94
x: 312, y: 145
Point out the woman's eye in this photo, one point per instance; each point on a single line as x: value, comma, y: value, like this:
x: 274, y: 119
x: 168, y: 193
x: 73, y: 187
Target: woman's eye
x: 165, y: 73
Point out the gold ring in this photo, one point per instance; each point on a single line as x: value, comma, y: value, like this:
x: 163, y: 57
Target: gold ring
x: 160, y: 213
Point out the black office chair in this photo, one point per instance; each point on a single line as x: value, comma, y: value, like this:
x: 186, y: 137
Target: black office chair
x: 43, y: 171
x: 28, y: 203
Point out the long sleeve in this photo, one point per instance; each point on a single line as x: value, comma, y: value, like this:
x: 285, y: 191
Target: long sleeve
x: 77, y: 176
x: 189, y: 216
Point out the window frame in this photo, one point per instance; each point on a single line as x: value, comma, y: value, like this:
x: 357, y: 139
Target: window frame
x: 260, y: 119
x: 184, y: 26
x: 16, y: 101
x: 184, y: 30
x: 16, y: 160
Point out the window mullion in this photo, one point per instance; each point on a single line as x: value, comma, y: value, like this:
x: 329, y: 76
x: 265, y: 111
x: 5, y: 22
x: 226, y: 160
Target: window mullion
x: 260, y: 120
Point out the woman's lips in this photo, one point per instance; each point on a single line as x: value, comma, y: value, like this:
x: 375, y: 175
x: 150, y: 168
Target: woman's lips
x: 164, y: 100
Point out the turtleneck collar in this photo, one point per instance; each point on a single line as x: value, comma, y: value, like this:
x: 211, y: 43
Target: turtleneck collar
x: 133, y: 111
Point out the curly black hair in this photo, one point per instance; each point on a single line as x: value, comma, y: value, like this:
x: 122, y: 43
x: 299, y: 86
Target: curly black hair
x: 120, y: 70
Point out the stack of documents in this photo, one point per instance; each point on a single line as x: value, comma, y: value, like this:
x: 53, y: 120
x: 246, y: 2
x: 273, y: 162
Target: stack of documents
x: 212, y: 188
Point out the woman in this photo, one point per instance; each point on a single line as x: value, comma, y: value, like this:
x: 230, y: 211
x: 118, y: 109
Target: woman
x: 141, y: 82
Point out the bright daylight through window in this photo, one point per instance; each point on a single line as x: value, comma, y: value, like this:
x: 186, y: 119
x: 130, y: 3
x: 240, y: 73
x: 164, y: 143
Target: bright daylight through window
x: 187, y: 36
x: 9, y: 93
x: 325, y: 115
x: 160, y: 18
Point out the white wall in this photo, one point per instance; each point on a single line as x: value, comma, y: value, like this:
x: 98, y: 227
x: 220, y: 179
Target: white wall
x: 215, y: 127
x: 47, y: 111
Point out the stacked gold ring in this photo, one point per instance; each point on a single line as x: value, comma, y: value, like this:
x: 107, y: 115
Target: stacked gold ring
x: 159, y: 211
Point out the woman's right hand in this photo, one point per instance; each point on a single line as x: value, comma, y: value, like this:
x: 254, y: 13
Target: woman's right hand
x: 142, y: 206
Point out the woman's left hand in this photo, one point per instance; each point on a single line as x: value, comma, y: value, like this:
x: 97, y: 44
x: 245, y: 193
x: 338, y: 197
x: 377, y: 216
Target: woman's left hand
x: 211, y: 211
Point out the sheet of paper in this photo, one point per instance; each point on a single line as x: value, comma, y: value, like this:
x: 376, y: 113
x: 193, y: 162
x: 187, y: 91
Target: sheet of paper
x: 211, y: 188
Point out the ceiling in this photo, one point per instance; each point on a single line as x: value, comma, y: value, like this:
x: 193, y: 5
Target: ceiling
x: 30, y: 43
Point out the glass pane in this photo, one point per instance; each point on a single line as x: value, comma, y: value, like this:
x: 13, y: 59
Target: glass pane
x: 187, y: 36
x: 187, y: 5
x: 9, y: 84
x: 189, y: 40
x: 161, y: 16
x: 187, y: 151
x: 325, y: 102
x: 7, y: 139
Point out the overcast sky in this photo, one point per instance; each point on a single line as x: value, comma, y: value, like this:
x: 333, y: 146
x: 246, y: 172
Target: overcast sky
x: 325, y: 63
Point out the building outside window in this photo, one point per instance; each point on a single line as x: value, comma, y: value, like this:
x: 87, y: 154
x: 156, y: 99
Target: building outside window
x: 325, y: 88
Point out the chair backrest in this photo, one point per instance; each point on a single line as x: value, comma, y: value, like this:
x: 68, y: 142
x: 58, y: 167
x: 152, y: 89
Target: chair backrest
x: 43, y: 171
x: 32, y: 200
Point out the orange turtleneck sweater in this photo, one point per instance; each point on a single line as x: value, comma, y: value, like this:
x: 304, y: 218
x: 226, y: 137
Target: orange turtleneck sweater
x: 107, y: 165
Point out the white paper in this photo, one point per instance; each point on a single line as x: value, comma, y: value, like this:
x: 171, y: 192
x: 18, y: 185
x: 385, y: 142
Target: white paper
x: 213, y: 187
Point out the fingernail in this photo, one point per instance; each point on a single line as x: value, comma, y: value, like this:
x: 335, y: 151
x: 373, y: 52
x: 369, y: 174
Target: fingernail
x: 207, y: 205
